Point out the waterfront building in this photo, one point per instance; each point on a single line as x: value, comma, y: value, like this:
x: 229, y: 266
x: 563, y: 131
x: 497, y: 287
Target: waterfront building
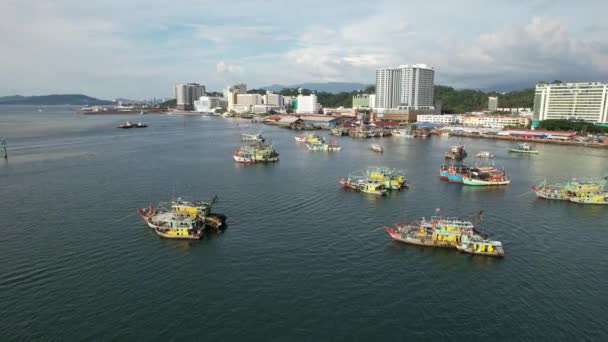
x: 572, y: 101
x: 494, y: 121
x: 249, y: 99
x: 407, y: 87
x: 186, y: 94
x: 307, y: 104
x: 206, y: 104
x: 272, y: 99
x: 231, y: 92
x: 372, y: 101
x: 492, y: 103
x: 445, y: 119
x: 361, y: 101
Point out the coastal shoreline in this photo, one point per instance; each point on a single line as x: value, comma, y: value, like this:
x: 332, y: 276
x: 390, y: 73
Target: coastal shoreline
x: 524, y: 139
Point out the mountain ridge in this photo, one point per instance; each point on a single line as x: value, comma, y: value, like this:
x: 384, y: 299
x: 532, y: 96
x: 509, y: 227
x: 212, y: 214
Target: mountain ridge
x: 53, y: 99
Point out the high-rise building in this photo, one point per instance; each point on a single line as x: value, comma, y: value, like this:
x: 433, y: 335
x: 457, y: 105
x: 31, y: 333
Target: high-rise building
x: 307, y: 104
x: 231, y: 92
x: 492, y: 103
x: 186, y: 94
x: 406, y: 87
x: 272, y: 99
x: 388, y: 85
x: 572, y: 101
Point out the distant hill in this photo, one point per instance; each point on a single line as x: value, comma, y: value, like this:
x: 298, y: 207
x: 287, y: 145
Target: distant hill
x: 328, y: 87
x: 63, y: 99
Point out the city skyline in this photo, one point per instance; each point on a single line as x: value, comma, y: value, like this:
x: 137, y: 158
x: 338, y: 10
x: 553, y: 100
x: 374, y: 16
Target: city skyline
x: 140, y: 49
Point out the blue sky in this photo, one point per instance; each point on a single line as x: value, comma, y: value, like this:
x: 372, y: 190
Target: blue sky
x: 139, y: 48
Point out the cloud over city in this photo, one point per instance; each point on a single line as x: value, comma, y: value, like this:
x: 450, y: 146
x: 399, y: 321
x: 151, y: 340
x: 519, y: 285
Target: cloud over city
x: 139, y: 48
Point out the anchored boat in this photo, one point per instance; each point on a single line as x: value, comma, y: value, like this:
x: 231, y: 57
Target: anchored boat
x: 485, y: 176
x: 456, y: 152
x: 182, y: 219
x: 309, y: 138
x: 376, y: 148
x: 446, y: 233
x: 523, y: 148
x: 252, y: 137
x: 256, y: 153
x: 332, y: 146
x: 363, y: 185
x: 584, y: 191
x: 453, y: 173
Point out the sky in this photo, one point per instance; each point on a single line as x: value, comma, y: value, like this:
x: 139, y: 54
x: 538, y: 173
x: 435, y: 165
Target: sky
x: 138, y: 49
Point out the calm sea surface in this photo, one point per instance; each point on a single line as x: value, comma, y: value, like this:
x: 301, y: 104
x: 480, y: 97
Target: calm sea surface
x: 301, y: 258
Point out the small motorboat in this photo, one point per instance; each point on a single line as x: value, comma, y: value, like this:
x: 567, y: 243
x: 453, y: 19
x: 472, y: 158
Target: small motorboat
x: 127, y: 125
x: 376, y: 148
x: 140, y: 125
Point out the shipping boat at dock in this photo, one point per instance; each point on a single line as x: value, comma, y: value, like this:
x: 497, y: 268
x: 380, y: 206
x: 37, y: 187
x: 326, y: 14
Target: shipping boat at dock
x: 583, y: 191
x: 404, y: 133
x: 445, y: 232
x: 182, y: 219
x: 456, y: 152
x: 256, y: 153
x: 523, y: 148
x: 252, y: 137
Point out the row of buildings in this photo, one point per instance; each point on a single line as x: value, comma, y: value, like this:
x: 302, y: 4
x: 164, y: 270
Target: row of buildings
x: 192, y: 97
x: 490, y: 121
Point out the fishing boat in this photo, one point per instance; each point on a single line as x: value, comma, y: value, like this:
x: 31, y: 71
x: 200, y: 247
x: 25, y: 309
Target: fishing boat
x: 453, y: 173
x: 547, y: 191
x: 391, y: 179
x: 309, y: 138
x: 479, y: 246
x: 578, y: 190
x: 523, y: 148
x: 445, y: 232
x: 331, y: 146
x: 484, y: 154
x: 256, y: 153
x: 376, y: 148
x: 126, y: 125
x: 362, y: 185
x: 456, y: 152
x: 485, y: 176
x: 600, y: 197
x: 252, y: 137
x: 180, y: 210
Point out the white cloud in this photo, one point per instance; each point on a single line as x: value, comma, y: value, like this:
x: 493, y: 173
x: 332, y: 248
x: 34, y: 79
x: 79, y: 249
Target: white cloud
x: 138, y: 48
x: 223, y: 67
